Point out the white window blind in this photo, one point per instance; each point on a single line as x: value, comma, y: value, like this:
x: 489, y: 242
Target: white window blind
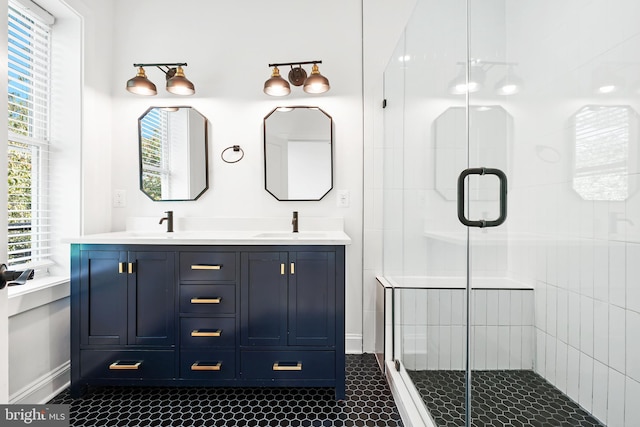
x: 28, y: 137
x: 154, y: 132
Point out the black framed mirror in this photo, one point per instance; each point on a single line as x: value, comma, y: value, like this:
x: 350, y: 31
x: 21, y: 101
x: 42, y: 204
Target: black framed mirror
x: 173, y: 153
x: 298, y: 153
x: 490, y: 134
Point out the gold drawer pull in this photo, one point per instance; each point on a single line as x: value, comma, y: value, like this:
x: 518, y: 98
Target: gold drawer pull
x: 197, y: 333
x: 121, y: 268
x: 125, y: 365
x: 216, y: 300
x: 282, y: 269
x: 293, y: 268
x: 198, y: 367
x: 206, y: 267
x: 297, y: 367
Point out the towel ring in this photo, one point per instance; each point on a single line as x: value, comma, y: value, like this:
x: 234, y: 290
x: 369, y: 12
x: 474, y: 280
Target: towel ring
x: 235, y: 148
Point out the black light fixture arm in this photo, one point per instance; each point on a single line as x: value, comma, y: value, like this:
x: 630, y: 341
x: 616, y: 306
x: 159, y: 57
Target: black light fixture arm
x: 294, y: 63
x: 176, y: 64
x: 487, y: 65
x: 170, y: 67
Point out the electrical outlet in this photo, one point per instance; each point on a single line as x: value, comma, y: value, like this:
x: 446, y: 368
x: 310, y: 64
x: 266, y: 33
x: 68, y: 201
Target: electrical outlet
x: 119, y: 198
x: 343, y: 198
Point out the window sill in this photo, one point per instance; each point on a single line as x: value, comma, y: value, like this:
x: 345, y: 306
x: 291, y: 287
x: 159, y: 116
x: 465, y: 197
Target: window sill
x: 37, y: 292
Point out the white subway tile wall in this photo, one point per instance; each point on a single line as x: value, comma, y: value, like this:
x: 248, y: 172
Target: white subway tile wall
x: 433, y: 328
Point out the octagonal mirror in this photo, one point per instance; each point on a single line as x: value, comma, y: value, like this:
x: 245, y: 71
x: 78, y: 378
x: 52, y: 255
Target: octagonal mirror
x: 298, y: 153
x: 489, y: 137
x: 173, y: 153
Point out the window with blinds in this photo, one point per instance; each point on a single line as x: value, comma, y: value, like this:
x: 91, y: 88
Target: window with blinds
x: 28, y: 139
x: 155, y: 153
x: 602, y: 158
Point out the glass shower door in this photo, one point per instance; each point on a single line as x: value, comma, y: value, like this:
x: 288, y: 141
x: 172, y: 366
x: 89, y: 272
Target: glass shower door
x: 425, y: 256
x: 553, y: 102
x: 546, y: 92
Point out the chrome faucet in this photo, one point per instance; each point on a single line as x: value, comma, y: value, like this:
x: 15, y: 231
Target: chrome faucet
x: 294, y: 221
x: 169, y: 219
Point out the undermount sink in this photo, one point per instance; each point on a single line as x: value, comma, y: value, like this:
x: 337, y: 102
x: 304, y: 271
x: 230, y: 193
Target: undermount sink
x: 291, y: 235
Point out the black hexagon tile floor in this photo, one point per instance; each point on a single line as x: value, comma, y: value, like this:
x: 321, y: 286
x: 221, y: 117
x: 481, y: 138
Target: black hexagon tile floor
x: 499, y: 398
x: 369, y: 403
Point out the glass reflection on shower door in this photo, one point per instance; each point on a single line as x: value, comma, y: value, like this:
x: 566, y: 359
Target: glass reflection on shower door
x: 424, y: 244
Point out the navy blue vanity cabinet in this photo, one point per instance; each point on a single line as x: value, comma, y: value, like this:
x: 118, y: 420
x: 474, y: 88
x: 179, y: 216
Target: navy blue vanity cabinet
x: 122, y: 315
x: 207, y: 315
x: 292, y: 317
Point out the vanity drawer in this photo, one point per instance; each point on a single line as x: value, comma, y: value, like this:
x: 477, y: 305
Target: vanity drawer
x: 207, y: 331
x: 211, y: 365
x: 288, y: 365
x: 208, y: 299
x: 209, y: 266
x: 127, y: 364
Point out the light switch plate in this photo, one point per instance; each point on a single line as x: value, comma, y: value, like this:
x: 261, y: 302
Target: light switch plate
x: 119, y: 198
x: 343, y: 198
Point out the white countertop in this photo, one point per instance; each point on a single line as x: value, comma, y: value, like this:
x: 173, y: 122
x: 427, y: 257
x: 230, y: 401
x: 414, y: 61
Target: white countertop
x: 217, y: 237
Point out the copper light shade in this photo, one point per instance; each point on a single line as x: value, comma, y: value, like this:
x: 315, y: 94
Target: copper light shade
x: 141, y: 85
x: 177, y: 83
x: 315, y: 83
x: 276, y: 85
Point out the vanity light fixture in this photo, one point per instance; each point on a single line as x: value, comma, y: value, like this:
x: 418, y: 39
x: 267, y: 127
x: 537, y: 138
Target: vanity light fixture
x: 510, y: 84
x: 460, y: 85
x: 177, y: 83
x: 314, y: 83
x: 607, y: 78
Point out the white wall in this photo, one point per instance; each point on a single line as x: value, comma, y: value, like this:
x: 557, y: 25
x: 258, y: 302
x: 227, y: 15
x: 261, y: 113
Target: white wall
x: 227, y: 47
x: 96, y: 124
x: 39, y: 337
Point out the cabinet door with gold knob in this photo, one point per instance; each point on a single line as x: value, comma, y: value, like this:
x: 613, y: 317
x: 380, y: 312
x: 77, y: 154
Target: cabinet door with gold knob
x: 312, y: 299
x: 264, y: 298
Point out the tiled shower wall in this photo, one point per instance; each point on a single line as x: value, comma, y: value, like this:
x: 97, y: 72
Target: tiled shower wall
x: 587, y: 321
x: 432, y: 333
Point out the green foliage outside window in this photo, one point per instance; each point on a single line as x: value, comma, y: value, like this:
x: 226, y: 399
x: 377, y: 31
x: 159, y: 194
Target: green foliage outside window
x: 19, y: 183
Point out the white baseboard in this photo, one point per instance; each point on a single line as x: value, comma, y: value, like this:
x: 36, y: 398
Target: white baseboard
x: 44, y: 388
x: 353, y: 344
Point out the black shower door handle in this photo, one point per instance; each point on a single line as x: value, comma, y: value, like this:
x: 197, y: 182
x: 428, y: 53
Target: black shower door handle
x: 503, y: 197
